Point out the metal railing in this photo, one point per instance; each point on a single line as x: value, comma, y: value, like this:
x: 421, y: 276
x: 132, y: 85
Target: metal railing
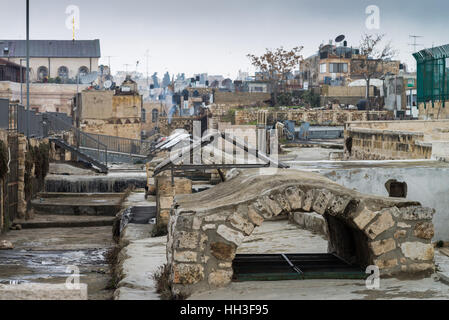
x: 54, y: 125
x: 121, y: 145
x: 13, y: 116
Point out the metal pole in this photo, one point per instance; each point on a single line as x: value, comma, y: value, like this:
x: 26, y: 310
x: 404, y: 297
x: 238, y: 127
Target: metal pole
x: 21, y: 83
x: 28, y: 63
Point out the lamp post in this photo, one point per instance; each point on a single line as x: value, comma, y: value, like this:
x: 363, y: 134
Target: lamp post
x: 21, y: 82
x: 28, y: 64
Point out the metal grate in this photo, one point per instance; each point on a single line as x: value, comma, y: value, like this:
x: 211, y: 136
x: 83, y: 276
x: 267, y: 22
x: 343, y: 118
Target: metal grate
x: 271, y: 267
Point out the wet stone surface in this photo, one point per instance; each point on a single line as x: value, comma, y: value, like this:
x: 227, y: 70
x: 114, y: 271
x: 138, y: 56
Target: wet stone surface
x: 49, y: 255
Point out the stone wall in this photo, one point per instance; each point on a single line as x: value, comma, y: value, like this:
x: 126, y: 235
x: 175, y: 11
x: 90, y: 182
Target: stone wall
x: 391, y: 140
x: 315, y: 117
x: 165, y: 193
x: 437, y: 110
x: 371, y: 144
x: 185, y: 123
x: 206, y: 228
x: 240, y: 98
x: 107, y: 113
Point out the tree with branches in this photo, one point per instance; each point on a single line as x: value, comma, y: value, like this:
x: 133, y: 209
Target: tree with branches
x: 275, y: 65
x: 372, y: 58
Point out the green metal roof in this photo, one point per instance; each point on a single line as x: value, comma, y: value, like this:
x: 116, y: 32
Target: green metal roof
x: 432, y: 53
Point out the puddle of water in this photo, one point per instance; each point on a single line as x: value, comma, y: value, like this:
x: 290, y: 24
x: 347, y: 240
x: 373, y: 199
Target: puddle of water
x: 22, y: 265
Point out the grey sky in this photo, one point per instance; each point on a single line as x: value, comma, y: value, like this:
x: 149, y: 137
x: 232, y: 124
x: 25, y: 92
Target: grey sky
x: 194, y: 36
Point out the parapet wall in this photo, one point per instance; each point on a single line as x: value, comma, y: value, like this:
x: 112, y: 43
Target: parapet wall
x: 240, y: 98
x: 314, y: 117
x: 396, y: 140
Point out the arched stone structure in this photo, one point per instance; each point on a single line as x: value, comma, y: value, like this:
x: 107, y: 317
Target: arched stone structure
x: 206, y: 228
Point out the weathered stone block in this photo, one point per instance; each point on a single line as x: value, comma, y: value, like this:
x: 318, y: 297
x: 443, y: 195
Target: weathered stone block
x: 321, y: 201
x: 231, y: 235
x: 187, y: 273
x: 338, y: 205
x: 383, y: 263
x: 418, y: 267
x: 261, y: 209
x: 404, y: 225
x: 383, y: 246
x: 417, y: 250
x: 364, y: 218
x: 415, y: 213
x: 254, y: 217
x: 294, y: 197
x: 209, y: 227
x: 282, y: 201
x: 242, y: 224
x: 383, y: 222
x: 215, y: 217
x: 165, y: 202
x: 424, y: 230
x: 196, y: 224
x: 272, y: 205
x: 185, y: 256
x: 220, y: 278
x: 186, y: 240
x: 308, y: 200
x: 223, y: 251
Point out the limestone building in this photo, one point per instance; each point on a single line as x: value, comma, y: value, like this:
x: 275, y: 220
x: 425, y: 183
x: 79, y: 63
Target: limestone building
x: 51, y: 59
x: 110, y: 112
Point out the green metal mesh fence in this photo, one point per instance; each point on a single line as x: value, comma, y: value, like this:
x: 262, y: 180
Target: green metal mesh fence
x: 432, y: 74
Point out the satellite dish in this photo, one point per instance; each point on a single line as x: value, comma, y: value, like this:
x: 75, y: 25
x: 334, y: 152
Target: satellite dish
x: 89, y: 78
x: 340, y: 38
x: 107, y: 84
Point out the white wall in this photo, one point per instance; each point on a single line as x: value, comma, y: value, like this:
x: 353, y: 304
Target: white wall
x: 427, y: 184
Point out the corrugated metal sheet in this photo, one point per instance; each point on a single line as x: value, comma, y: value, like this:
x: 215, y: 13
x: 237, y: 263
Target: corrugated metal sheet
x: 51, y: 48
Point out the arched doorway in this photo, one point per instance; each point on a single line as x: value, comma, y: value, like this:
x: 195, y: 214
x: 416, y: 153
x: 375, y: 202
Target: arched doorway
x: 206, y: 228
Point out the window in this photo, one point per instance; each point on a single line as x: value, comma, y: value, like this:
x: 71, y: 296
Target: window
x: 323, y: 68
x: 144, y: 115
x: 42, y: 73
x: 338, y: 67
x: 154, y: 115
x: 83, y: 71
x: 63, y: 72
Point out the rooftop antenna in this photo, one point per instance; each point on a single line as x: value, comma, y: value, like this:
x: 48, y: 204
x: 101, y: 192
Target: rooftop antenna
x: 147, y: 56
x: 126, y: 68
x: 414, y: 44
x: 109, y: 63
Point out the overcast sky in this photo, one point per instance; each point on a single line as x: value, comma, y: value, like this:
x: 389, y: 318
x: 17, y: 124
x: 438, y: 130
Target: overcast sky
x: 195, y: 36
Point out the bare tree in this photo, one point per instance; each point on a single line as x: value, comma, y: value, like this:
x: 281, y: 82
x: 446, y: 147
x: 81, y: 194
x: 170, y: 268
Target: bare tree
x: 276, y: 65
x: 372, y: 58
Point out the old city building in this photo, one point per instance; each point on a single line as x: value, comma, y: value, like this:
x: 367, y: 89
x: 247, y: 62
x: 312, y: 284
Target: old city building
x: 51, y: 59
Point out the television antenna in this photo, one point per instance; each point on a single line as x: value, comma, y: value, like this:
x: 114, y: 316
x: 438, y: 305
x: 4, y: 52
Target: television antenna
x: 414, y: 44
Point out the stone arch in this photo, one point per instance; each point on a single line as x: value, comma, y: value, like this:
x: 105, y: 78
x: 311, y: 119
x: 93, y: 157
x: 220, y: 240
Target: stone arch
x: 205, y: 229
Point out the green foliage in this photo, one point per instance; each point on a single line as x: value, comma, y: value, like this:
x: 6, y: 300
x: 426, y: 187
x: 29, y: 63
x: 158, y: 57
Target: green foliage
x: 3, y: 160
x: 229, y: 117
x: 312, y: 99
